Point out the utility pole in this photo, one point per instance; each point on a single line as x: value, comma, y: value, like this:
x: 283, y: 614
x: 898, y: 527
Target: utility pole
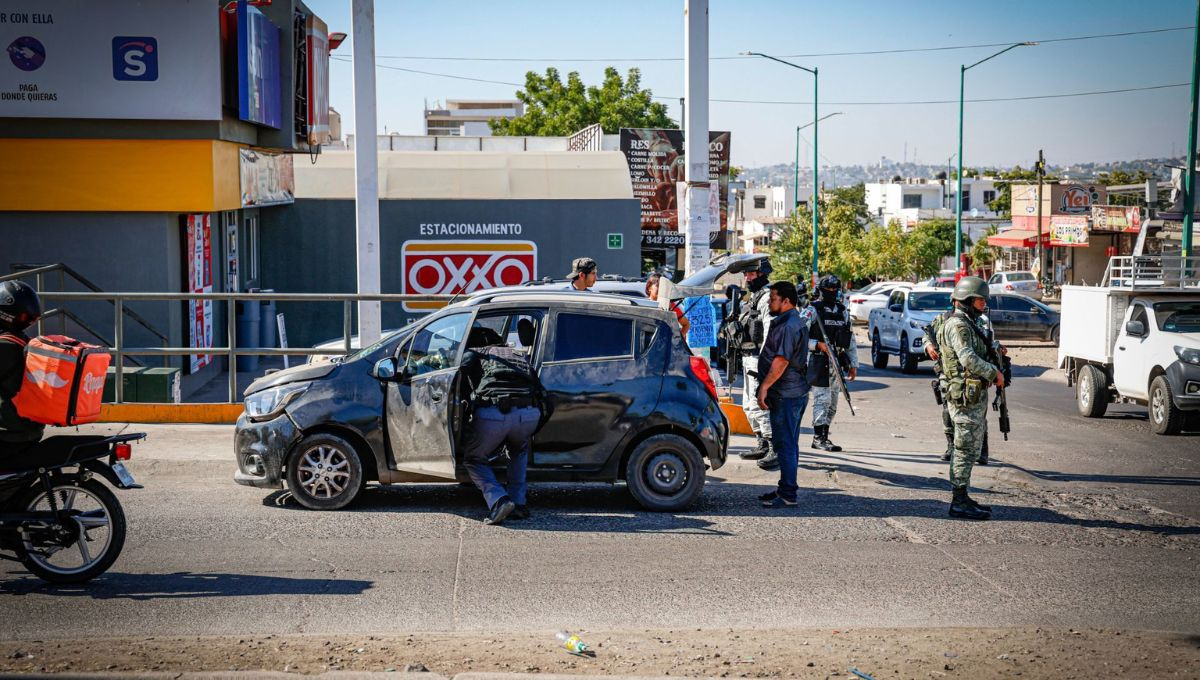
x: 1189, y: 184
x: 1041, y: 175
x: 366, y: 170
x: 695, y: 219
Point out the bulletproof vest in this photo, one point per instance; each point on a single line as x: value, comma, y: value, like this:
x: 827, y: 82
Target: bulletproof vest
x: 752, y: 322
x: 506, y: 373
x: 837, y: 326
x: 954, y: 373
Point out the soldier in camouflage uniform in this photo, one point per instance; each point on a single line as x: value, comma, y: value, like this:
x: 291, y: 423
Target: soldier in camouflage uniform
x: 932, y: 351
x: 967, y: 375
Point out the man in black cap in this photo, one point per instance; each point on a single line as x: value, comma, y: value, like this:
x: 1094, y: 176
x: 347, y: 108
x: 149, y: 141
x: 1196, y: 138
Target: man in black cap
x: 583, y: 273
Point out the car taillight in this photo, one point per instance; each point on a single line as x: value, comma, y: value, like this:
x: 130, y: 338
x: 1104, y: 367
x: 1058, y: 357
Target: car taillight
x: 701, y: 370
x: 123, y: 451
x: 1039, y: 285
x: 1008, y: 286
x: 858, y: 300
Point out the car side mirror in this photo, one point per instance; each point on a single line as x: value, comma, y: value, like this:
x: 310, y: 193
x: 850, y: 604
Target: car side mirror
x: 385, y: 370
x: 894, y: 308
x: 1036, y: 310
x: 1135, y: 328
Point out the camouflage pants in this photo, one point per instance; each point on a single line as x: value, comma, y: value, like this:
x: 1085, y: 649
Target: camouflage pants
x: 760, y: 420
x: 970, y: 427
x: 825, y: 401
x: 948, y: 427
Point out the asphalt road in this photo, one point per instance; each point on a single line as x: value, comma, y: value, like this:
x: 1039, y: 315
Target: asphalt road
x: 1097, y: 524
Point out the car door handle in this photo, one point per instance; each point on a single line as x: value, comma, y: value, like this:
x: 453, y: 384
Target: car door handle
x: 437, y: 396
x: 1121, y: 348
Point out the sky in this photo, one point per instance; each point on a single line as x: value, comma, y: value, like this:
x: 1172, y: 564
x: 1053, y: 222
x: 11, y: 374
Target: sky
x: 648, y: 35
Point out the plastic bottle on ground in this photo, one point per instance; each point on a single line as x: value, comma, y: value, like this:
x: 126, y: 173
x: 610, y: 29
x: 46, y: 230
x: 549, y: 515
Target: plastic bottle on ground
x: 572, y: 642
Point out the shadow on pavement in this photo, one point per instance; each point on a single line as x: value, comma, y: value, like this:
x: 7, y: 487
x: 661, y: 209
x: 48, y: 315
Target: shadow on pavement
x: 187, y: 585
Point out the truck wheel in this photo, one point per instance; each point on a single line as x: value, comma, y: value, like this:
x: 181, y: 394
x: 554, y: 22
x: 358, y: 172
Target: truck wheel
x: 1165, y: 416
x: 879, y: 358
x: 908, y: 360
x: 1091, y: 392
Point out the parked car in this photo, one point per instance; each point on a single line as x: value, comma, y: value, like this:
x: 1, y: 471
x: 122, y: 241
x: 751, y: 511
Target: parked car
x: 939, y: 281
x: 899, y: 326
x: 1023, y: 283
x: 625, y: 401
x: 861, y: 304
x: 1016, y: 317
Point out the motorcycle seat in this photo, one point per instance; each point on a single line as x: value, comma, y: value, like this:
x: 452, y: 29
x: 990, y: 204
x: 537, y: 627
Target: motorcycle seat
x: 53, y: 452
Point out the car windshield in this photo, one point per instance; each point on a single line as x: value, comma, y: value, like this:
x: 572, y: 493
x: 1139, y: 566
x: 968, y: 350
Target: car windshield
x: 925, y: 302
x: 1020, y: 276
x: 372, y: 348
x: 1178, y: 317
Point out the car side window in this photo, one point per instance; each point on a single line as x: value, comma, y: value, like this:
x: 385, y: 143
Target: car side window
x: 584, y: 336
x: 894, y: 299
x: 995, y: 279
x: 645, y: 336
x: 1139, y: 314
x: 437, y: 345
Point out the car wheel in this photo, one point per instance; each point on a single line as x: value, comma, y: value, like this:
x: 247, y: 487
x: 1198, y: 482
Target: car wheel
x: 1165, y: 416
x: 1091, y: 392
x: 665, y: 473
x: 1054, y: 336
x: 908, y: 360
x: 324, y: 472
x: 879, y: 358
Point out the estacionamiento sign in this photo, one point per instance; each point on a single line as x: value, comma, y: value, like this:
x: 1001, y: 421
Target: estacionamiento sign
x: 656, y: 164
x: 115, y: 59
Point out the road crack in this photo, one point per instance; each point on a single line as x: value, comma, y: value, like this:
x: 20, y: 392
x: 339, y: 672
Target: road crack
x: 462, y: 529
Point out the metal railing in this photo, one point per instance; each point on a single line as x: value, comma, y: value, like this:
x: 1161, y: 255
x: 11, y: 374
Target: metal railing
x: 119, y: 351
x: 1157, y: 272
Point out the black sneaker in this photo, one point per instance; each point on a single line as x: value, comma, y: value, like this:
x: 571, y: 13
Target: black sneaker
x: 770, y: 496
x: 779, y: 502
x: 500, y: 511
x: 519, y: 512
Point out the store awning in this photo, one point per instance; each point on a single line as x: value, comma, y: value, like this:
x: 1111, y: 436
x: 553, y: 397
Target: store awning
x: 1018, y: 238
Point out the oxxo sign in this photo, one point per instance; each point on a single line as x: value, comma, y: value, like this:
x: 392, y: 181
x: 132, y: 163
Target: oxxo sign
x: 452, y: 267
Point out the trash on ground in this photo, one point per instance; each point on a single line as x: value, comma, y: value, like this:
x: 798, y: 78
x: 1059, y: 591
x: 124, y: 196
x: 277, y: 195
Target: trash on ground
x: 574, y: 644
x: 860, y: 674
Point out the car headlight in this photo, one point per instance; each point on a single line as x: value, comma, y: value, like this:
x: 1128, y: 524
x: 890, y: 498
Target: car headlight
x: 1189, y: 355
x: 267, y: 404
x: 915, y: 324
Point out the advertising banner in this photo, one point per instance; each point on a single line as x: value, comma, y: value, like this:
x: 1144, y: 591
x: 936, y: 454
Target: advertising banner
x: 1124, y: 218
x: 117, y: 59
x: 656, y: 163
x: 258, y: 67
x: 317, y: 34
x: 702, y: 318
x: 267, y: 178
x: 454, y: 267
x: 1068, y: 230
x: 200, y: 312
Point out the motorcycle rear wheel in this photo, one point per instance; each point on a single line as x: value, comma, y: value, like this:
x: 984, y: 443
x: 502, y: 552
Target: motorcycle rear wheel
x: 98, y: 512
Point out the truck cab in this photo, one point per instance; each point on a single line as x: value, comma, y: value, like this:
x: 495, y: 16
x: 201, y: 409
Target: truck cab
x: 899, y: 327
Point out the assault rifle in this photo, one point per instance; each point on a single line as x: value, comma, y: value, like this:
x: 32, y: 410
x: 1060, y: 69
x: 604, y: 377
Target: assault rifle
x: 731, y: 331
x: 834, y: 364
x: 1000, y: 402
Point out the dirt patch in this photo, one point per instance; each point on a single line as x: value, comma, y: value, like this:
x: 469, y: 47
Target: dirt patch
x: 917, y: 653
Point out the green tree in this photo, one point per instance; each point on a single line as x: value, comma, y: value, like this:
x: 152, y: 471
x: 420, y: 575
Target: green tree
x: 1123, y: 177
x: 982, y: 254
x: 554, y: 108
x: 839, y: 242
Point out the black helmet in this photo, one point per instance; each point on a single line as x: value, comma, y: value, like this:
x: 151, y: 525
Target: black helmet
x: 764, y: 266
x: 802, y: 285
x: 19, y: 306
x: 830, y: 282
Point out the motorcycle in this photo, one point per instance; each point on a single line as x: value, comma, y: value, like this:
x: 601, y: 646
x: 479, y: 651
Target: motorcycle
x: 56, y: 516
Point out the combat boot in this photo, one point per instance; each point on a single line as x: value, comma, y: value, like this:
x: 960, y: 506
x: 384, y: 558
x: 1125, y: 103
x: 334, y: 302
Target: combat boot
x: 983, y: 452
x: 972, y: 501
x: 760, y: 451
x: 949, y: 448
x: 771, y: 462
x: 821, y: 439
x: 961, y: 507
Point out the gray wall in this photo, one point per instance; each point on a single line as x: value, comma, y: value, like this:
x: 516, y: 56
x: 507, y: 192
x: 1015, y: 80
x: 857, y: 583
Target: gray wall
x: 310, y: 246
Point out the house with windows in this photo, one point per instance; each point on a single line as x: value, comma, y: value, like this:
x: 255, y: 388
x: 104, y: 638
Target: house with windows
x: 913, y: 200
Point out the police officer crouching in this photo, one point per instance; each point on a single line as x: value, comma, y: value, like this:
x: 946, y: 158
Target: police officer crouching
x: 507, y: 400
x: 839, y: 335
x: 967, y: 375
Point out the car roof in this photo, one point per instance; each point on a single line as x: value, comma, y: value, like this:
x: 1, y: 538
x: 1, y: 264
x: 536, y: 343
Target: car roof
x: 535, y: 294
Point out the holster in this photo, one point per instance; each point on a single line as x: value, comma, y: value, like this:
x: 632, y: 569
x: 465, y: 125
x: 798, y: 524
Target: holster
x: 937, y: 391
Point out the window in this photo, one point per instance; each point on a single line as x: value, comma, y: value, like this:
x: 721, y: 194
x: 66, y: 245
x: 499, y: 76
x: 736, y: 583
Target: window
x: 435, y: 346
x: 897, y: 298
x: 509, y: 326
x: 1020, y: 276
x: 989, y: 196
x: 926, y: 302
x: 995, y: 279
x: 1177, y: 317
x: 1005, y: 303
x: 579, y: 336
x: 912, y: 200
x: 760, y: 202
x: 646, y: 332
x: 966, y: 200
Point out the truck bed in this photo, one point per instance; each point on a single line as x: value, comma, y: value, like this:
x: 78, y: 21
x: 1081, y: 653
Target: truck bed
x: 1091, y: 319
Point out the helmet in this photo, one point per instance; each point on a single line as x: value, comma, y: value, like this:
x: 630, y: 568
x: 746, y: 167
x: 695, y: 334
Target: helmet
x: 969, y: 287
x: 764, y: 267
x: 802, y: 285
x: 19, y: 305
x: 830, y: 282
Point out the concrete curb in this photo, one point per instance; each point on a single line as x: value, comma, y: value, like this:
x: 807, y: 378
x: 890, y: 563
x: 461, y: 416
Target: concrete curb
x: 209, y: 414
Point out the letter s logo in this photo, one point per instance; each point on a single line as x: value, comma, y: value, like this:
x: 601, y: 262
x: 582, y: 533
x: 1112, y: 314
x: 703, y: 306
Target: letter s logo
x: 135, y: 58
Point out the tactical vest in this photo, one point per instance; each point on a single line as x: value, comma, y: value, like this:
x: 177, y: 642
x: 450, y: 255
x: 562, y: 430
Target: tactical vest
x: 506, y: 373
x: 837, y: 325
x: 751, y: 322
x: 961, y: 387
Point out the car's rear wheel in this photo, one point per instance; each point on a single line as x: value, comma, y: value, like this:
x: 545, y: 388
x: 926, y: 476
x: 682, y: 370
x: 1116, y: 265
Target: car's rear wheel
x: 324, y: 472
x: 665, y: 473
x: 879, y: 358
x: 908, y: 360
x: 1054, y: 335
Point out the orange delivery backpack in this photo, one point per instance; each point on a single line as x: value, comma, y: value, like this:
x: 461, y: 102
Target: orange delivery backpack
x: 64, y: 381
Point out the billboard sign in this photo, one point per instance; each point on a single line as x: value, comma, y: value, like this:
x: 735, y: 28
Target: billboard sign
x: 317, y: 35
x: 258, y: 67
x: 454, y: 267
x: 1116, y: 218
x: 120, y: 59
x: 1076, y: 199
x: 656, y: 163
x: 199, y: 266
x: 267, y: 178
x: 1068, y: 230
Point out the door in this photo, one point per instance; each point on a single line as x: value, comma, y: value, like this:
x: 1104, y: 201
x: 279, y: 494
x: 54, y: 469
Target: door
x: 889, y: 335
x: 420, y: 405
x: 1129, y: 356
x: 1020, y: 316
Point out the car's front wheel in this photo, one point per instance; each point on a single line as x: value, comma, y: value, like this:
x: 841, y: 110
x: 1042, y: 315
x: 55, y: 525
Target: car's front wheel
x: 1165, y: 416
x: 665, y: 473
x: 879, y: 358
x: 324, y: 472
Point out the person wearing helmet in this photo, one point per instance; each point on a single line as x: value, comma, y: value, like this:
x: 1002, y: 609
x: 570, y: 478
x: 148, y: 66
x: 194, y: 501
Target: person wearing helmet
x: 19, y: 309
x: 932, y: 351
x: 835, y: 319
x: 755, y: 323
x: 967, y: 375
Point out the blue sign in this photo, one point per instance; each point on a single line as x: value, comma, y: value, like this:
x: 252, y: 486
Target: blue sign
x: 135, y: 58
x: 703, y: 330
x: 27, y: 53
x: 258, y: 67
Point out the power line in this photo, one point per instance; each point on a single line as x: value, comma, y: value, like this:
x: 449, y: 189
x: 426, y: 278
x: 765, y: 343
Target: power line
x: 945, y: 101
x: 431, y: 73
x: 944, y: 48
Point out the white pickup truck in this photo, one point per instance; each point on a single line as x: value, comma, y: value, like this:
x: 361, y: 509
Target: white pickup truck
x: 899, y: 327
x: 1136, y: 338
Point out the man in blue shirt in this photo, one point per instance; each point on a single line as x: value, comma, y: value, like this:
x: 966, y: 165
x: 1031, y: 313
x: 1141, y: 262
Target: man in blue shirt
x: 783, y: 388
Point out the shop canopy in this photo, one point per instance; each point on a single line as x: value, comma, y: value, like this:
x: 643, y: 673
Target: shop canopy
x: 1018, y: 238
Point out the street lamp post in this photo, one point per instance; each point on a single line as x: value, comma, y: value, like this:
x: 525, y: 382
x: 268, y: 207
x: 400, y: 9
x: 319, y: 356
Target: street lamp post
x: 816, y: 156
x: 962, y: 76
x: 796, y: 169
